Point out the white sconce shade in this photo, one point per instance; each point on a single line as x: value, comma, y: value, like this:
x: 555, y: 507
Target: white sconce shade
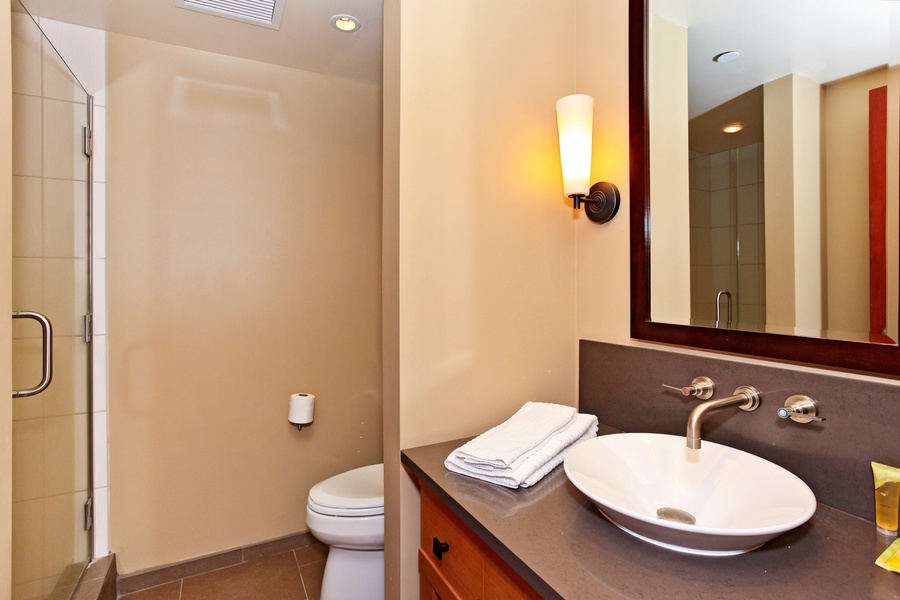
x: 575, y: 119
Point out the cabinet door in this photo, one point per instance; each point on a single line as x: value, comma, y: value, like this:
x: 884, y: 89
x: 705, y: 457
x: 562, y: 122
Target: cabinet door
x: 432, y: 585
x: 502, y: 583
x: 461, y: 566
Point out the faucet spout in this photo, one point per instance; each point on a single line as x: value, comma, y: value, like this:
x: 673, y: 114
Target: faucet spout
x: 745, y: 397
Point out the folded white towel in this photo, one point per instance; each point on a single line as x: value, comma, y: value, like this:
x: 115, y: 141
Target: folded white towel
x: 540, y: 462
x: 517, y: 437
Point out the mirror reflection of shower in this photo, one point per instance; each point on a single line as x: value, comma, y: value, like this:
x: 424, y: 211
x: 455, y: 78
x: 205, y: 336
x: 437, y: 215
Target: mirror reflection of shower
x: 728, y: 273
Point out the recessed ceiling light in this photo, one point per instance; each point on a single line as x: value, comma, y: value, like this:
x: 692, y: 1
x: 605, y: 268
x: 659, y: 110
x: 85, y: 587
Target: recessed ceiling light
x: 733, y: 127
x: 346, y: 23
x: 725, y: 57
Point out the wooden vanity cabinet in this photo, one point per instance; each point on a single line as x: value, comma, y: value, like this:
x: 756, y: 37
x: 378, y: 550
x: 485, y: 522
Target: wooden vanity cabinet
x: 467, y: 568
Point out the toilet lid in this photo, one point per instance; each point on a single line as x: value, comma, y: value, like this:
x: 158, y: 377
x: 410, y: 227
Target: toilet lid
x: 358, y: 492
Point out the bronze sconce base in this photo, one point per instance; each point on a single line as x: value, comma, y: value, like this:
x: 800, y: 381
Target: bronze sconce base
x: 601, y: 204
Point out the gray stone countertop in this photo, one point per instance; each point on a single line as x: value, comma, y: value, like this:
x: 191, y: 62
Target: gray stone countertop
x: 559, y: 542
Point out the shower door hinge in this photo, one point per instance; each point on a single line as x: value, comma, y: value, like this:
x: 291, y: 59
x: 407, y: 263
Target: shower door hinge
x: 88, y: 323
x: 89, y: 514
x: 87, y: 141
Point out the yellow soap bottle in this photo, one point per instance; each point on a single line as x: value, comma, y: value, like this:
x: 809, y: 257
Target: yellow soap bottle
x: 887, y: 497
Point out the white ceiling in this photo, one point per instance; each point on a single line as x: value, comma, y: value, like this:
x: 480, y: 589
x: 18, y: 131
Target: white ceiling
x: 306, y: 39
x: 824, y: 40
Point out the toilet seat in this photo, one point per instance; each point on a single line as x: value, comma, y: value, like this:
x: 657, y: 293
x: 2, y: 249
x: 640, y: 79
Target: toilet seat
x: 356, y: 493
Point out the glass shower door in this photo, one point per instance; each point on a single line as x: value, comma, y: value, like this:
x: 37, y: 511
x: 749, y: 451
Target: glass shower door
x: 51, y: 277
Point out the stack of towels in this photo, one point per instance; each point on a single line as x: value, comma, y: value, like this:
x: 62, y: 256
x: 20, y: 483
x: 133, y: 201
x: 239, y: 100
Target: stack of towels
x: 525, y: 447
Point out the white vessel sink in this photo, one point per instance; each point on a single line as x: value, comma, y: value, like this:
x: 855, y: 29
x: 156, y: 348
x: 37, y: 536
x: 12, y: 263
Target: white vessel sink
x: 653, y: 486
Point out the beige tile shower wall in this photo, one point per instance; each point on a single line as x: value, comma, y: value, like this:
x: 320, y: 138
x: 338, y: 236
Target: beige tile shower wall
x: 244, y: 253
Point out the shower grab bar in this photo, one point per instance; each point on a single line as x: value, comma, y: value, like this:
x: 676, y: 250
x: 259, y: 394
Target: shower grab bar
x: 47, y: 364
x: 727, y: 295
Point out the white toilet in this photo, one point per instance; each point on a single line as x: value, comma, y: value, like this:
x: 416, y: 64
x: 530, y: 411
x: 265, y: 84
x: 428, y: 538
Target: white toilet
x: 347, y: 513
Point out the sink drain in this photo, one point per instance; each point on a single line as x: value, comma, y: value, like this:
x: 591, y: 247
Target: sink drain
x: 677, y: 515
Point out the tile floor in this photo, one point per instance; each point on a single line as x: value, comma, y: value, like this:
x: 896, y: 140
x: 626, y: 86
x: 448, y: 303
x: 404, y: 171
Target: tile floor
x: 293, y: 575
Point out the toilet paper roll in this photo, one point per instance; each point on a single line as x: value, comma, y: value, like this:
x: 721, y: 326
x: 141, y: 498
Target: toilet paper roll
x: 301, y: 409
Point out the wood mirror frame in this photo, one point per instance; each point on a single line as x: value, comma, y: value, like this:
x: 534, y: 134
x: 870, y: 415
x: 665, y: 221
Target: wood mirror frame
x: 846, y: 355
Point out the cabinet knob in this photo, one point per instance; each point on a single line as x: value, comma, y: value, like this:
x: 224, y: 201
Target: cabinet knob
x: 439, y: 547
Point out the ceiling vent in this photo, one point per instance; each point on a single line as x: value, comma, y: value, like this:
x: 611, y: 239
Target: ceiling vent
x: 266, y: 13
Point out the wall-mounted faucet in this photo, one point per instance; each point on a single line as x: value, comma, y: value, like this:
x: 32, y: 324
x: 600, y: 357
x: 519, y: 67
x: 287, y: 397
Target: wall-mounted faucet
x: 800, y: 409
x: 702, y: 387
x: 745, y: 397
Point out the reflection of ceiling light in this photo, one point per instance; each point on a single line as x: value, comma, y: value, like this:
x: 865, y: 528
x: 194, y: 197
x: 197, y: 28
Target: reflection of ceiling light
x: 733, y: 127
x: 726, y: 56
x: 345, y: 23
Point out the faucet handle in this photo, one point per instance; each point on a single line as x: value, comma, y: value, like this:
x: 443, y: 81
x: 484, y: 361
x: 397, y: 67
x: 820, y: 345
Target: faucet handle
x: 702, y: 387
x: 800, y: 409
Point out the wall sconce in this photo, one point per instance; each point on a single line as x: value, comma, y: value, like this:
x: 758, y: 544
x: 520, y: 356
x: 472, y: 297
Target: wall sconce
x: 575, y: 119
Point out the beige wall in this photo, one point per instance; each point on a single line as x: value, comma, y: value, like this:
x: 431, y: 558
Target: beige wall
x: 842, y: 306
x: 846, y: 125
x: 493, y: 250
x: 394, y: 475
x: 793, y: 206
x: 484, y: 292
x: 243, y: 265
x: 603, y: 283
x: 779, y: 205
x: 670, y: 254
x: 808, y: 252
x: 5, y: 301
x: 186, y: 454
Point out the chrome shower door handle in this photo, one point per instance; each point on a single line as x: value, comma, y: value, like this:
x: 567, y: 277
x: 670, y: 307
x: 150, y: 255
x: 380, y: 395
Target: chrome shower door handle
x: 47, y: 363
x: 727, y: 295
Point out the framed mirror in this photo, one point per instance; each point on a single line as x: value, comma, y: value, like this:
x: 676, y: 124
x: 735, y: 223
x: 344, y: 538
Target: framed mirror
x: 804, y: 198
